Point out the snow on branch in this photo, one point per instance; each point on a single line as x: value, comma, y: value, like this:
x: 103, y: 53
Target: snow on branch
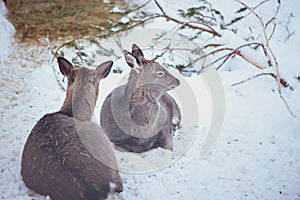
x: 267, y: 44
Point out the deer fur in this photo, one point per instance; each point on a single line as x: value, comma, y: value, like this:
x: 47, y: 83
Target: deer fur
x: 141, y: 115
x: 66, y: 156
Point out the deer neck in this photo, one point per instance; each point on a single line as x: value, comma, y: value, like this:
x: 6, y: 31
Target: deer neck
x: 130, y: 86
x: 144, y: 105
x: 137, y: 111
x: 79, y: 103
x: 67, y: 105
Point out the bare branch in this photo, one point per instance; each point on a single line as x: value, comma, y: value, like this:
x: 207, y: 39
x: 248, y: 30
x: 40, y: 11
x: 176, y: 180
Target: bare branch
x: 240, y: 54
x: 269, y: 22
x: 160, y: 8
x: 267, y: 41
x: 11, y: 173
x: 235, y: 51
x: 259, y: 4
x: 54, y: 55
x: 287, y: 28
x: 212, y: 45
x: 187, y: 24
x: 63, y: 44
x: 288, y: 107
x: 273, y: 31
x: 246, y: 58
x: 138, y: 8
x: 282, y: 81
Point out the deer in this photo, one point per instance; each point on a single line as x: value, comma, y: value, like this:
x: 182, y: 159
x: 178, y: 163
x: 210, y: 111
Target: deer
x: 141, y: 115
x: 66, y: 155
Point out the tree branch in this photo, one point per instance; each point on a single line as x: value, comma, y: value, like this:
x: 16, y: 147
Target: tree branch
x: 282, y: 81
x: 187, y: 24
x: 54, y: 55
x: 267, y: 41
x: 235, y: 51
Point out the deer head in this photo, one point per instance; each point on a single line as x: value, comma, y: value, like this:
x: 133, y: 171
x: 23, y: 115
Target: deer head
x: 148, y: 72
x: 83, y: 88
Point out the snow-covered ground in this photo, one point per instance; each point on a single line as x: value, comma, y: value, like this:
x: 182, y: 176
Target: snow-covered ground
x: 257, y: 157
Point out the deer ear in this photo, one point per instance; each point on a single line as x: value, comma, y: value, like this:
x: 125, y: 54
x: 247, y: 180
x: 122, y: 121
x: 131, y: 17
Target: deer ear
x: 130, y: 59
x: 64, y: 65
x: 104, y: 69
x: 136, y: 51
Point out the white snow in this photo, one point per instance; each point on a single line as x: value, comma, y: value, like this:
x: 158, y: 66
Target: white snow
x: 116, y: 9
x: 6, y: 32
x: 124, y: 20
x: 257, y: 156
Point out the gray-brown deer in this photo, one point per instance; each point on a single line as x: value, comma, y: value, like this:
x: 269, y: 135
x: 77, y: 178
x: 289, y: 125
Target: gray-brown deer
x: 66, y: 156
x: 141, y: 115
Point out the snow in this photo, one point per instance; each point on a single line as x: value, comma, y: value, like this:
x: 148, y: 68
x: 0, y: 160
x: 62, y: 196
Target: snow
x: 116, y: 9
x: 257, y: 156
x: 6, y: 32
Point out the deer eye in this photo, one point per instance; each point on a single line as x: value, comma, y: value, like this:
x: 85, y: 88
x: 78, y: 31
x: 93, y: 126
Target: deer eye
x: 160, y: 74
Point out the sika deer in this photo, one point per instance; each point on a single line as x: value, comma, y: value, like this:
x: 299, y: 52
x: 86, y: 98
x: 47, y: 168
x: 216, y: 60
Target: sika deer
x: 141, y: 115
x: 66, y: 156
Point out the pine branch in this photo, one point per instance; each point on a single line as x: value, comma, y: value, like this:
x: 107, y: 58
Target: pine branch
x: 208, y: 28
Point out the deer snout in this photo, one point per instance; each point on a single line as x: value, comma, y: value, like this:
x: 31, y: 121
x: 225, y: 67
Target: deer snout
x: 175, y: 83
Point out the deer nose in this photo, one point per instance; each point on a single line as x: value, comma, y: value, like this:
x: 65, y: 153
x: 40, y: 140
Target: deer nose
x: 177, y: 82
x: 174, y: 84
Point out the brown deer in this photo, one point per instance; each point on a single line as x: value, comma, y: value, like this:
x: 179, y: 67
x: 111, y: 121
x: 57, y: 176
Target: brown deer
x: 141, y: 115
x: 66, y: 156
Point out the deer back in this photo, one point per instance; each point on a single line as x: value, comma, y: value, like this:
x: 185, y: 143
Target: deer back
x: 59, y: 158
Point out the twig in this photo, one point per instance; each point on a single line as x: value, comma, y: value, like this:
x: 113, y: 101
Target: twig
x: 55, y: 55
x: 259, y: 4
x: 267, y: 41
x: 11, y: 173
x: 160, y: 8
x: 139, y: 7
x: 288, y: 107
x: 273, y: 31
x: 254, y: 8
x: 64, y: 44
x: 227, y: 58
x: 287, y: 28
x: 269, y: 22
x: 235, y: 51
x: 187, y: 24
x: 212, y: 45
x: 246, y: 58
x: 272, y: 19
x: 282, y: 81
x: 139, y: 23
